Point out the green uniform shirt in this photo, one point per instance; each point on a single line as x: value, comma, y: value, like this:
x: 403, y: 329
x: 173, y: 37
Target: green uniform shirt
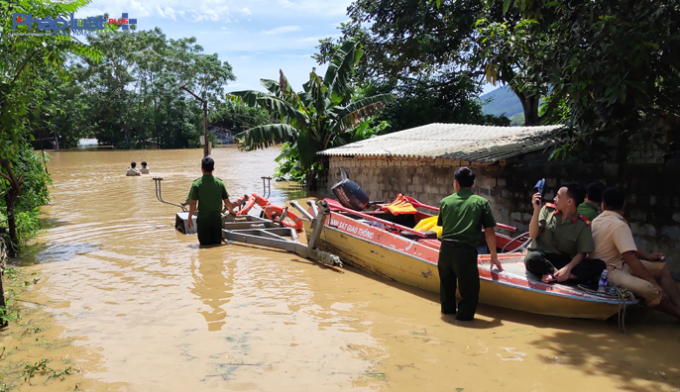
x: 462, y: 215
x: 570, y: 237
x: 588, y: 210
x: 209, y: 191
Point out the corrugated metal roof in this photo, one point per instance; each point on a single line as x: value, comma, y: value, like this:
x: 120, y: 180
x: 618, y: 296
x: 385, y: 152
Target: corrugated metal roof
x: 481, y: 143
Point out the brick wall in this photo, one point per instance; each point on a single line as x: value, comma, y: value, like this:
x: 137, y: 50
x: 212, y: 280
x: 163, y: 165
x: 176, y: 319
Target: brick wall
x: 653, y: 205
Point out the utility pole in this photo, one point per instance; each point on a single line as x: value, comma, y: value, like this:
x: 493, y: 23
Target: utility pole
x: 206, y: 150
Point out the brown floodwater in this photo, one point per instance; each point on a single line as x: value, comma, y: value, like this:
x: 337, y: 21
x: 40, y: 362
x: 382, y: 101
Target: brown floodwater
x: 136, y: 306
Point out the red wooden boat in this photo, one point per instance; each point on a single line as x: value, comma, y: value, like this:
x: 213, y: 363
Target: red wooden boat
x: 386, y: 244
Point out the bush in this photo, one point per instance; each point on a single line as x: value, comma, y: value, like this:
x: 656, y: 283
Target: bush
x: 34, y: 193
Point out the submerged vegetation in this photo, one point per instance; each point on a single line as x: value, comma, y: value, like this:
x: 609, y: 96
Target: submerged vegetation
x: 16, y: 373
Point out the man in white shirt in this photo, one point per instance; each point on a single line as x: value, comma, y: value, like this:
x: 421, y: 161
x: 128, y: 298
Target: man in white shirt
x: 649, y: 278
x: 144, y: 169
x: 131, y: 171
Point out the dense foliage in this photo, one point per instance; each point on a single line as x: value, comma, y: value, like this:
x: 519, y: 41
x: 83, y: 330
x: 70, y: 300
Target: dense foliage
x: 132, y: 97
x: 23, y: 59
x: 426, y: 88
x: 34, y: 193
x: 609, y: 68
x: 325, y: 114
x: 615, y: 67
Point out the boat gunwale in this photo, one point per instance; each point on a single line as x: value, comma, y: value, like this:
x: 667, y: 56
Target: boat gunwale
x: 586, y: 296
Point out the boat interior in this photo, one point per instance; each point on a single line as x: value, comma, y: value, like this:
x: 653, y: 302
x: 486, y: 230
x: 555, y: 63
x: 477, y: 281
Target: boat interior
x: 507, y: 237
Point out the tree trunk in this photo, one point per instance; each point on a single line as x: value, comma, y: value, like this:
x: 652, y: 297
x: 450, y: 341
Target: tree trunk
x: 10, y: 197
x: 3, y: 263
x: 3, y: 323
x: 530, y: 105
x: 11, y: 223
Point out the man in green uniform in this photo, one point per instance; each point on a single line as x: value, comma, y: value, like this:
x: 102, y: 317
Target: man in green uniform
x: 561, y: 238
x: 462, y: 216
x: 209, y: 192
x: 591, y: 207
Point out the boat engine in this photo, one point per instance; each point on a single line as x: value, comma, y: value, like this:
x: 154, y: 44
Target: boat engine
x: 350, y: 194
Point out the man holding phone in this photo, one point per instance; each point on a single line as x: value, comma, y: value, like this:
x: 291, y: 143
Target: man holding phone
x: 561, y: 238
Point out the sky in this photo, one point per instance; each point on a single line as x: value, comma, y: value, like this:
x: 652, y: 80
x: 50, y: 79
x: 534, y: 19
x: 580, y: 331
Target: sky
x: 257, y: 37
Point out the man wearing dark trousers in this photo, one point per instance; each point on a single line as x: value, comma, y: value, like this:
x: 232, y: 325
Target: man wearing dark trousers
x: 561, y: 238
x: 209, y: 192
x: 462, y: 216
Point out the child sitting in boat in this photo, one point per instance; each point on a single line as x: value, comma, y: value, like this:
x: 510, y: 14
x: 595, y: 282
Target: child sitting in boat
x: 144, y: 169
x: 131, y: 171
x: 561, y: 238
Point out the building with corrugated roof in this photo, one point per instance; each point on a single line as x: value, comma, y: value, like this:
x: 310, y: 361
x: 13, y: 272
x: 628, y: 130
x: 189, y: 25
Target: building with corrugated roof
x: 476, y: 144
x: 420, y: 162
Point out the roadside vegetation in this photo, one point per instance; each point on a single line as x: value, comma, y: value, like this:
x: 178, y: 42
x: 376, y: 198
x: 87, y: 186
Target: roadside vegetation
x: 25, y: 331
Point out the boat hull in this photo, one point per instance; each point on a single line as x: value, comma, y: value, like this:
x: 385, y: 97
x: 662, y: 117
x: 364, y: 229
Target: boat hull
x: 418, y: 268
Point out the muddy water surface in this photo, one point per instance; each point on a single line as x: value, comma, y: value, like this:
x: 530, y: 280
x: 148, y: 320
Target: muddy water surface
x: 136, y: 306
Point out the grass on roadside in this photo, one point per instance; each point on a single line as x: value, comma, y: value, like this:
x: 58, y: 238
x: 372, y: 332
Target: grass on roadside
x: 15, y: 282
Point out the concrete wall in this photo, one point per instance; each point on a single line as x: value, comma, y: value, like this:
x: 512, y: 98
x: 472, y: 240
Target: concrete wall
x: 653, y: 206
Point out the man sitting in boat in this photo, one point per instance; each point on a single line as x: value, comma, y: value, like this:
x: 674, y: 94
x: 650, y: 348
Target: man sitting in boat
x: 646, y: 275
x: 561, y: 238
x: 462, y: 216
x: 590, y: 208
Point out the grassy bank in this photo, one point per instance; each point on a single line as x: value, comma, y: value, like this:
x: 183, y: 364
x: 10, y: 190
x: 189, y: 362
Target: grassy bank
x: 27, y: 356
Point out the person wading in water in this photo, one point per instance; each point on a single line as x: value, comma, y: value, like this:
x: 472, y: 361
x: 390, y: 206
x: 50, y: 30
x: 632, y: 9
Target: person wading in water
x: 462, y: 216
x: 210, y: 193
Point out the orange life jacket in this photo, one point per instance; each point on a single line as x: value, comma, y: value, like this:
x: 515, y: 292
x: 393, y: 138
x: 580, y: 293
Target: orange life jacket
x: 400, y: 206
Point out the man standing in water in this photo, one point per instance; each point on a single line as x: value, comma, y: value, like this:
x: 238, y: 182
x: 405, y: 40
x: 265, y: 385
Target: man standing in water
x: 209, y: 192
x: 462, y: 216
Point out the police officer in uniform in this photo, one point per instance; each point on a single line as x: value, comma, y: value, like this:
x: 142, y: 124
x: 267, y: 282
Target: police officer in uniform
x: 561, y: 238
x: 590, y: 208
x: 209, y: 192
x: 462, y: 216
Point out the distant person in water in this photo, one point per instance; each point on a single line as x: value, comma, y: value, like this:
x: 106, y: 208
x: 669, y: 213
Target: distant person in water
x: 210, y: 193
x: 131, y: 171
x: 144, y: 169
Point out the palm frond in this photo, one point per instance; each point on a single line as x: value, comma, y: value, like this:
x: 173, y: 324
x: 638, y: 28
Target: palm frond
x: 265, y: 136
x: 273, y: 105
x: 341, y: 67
x: 353, y: 119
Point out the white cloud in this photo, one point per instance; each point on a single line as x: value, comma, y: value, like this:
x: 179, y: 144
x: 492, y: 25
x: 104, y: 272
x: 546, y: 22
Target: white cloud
x: 281, y: 30
x: 167, y: 12
x: 316, y: 38
x: 272, y: 34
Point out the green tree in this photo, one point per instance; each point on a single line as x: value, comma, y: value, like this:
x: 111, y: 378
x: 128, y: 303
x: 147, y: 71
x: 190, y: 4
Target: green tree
x: 23, y: 58
x: 133, y: 95
x: 418, y: 72
x: 615, y: 66
x: 316, y: 118
x: 459, y: 40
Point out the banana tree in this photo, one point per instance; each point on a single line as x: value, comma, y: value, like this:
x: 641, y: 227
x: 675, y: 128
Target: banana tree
x: 315, y: 118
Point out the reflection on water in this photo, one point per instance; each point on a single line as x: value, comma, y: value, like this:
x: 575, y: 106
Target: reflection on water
x: 214, y: 281
x: 142, y: 308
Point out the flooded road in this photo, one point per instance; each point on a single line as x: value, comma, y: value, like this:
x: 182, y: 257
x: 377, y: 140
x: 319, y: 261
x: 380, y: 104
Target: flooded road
x: 137, y: 306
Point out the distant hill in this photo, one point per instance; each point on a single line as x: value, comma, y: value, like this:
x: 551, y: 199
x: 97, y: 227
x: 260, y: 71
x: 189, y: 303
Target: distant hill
x: 504, y: 102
